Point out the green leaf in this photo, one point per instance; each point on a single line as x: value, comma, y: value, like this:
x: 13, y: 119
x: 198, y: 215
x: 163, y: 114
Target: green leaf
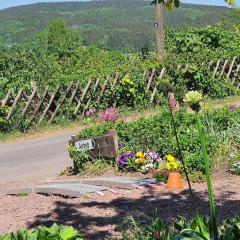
x: 67, y: 233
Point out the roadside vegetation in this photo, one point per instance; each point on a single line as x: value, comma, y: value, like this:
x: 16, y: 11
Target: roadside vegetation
x: 177, y: 133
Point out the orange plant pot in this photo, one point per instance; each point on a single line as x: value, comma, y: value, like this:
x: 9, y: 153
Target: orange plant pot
x: 174, y: 181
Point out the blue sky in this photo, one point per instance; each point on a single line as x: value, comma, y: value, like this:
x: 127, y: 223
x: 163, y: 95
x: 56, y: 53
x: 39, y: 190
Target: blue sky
x: 10, y: 3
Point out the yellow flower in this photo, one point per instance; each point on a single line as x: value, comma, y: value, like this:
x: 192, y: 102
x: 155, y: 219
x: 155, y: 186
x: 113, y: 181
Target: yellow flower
x: 168, y: 166
x: 170, y: 158
x: 139, y: 160
x: 139, y: 155
x: 174, y: 165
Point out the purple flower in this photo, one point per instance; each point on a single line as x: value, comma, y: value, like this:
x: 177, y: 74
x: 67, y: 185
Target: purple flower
x: 155, y: 157
x: 124, y: 157
x: 232, y: 107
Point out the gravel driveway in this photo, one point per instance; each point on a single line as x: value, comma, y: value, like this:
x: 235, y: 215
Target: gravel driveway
x: 102, y: 216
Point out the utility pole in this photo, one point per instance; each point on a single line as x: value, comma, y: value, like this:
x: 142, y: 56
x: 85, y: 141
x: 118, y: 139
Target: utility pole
x: 158, y: 9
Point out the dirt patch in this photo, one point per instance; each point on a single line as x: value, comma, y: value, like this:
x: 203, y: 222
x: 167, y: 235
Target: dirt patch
x: 99, y: 216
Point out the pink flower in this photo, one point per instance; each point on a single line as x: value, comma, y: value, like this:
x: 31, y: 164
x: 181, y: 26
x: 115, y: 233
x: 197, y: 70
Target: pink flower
x: 90, y: 112
x: 156, y: 234
x: 172, y: 101
x: 110, y: 114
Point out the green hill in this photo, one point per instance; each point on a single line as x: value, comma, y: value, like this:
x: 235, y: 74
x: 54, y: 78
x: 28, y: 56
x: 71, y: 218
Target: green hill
x: 112, y: 24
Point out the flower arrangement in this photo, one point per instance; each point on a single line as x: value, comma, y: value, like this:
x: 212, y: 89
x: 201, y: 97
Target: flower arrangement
x: 145, y: 162
x: 138, y: 160
x: 109, y: 115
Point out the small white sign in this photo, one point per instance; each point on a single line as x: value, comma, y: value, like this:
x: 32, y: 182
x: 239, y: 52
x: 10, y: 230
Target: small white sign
x: 88, y: 144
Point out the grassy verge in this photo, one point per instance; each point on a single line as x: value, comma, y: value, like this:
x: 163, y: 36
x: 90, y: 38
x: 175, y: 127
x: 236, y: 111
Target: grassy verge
x: 44, y: 129
x: 124, y: 114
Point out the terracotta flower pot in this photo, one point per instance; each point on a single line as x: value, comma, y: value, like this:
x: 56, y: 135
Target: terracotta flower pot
x: 174, y: 181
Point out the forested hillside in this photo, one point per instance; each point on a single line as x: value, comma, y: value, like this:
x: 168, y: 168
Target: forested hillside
x: 55, y: 49
x: 112, y: 24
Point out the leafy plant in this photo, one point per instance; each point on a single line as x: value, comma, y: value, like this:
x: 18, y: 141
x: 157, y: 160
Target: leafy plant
x: 235, y: 166
x: 194, y: 100
x: 54, y: 232
x: 197, y: 228
x: 4, y: 123
x: 197, y: 177
x: 79, y: 158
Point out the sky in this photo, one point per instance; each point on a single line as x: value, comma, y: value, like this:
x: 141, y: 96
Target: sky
x: 10, y: 3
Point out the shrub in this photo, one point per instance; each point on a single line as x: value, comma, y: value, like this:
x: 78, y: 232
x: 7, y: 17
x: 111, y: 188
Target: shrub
x: 181, y: 229
x: 4, y: 123
x: 79, y: 158
x: 199, y: 78
x: 55, y: 232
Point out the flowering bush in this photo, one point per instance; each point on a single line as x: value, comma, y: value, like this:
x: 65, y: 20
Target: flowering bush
x: 90, y: 112
x: 109, y: 115
x: 194, y: 100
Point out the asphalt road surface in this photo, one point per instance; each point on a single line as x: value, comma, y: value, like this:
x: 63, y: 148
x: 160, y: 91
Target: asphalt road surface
x: 34, y: 159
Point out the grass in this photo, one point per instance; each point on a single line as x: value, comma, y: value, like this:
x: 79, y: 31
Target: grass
x: 218, y: 103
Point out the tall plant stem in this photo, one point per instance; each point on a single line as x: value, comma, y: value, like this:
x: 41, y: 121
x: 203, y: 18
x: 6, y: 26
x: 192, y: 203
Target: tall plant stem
x: 182, y: 160
x: 208, y: 176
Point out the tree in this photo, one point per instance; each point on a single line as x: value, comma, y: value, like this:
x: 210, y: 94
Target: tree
x: 59, y: 39
x: 158, y: 10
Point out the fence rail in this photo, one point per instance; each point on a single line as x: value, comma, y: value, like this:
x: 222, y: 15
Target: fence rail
x: 47, y: 104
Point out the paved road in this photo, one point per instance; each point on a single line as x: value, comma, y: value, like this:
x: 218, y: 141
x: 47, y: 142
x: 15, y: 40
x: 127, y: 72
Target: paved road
x: 34, y: 159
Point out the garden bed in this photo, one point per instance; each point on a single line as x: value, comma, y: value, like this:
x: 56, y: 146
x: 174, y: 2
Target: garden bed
x: 102, y: 216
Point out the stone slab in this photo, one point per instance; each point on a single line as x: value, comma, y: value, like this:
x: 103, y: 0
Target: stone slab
x: 120, y: 182
x: 75, y: 189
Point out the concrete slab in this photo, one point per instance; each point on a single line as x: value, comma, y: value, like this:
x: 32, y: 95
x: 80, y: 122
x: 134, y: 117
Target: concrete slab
x: 75, y: 189
x: 69, y: 189
x: 120, y: 182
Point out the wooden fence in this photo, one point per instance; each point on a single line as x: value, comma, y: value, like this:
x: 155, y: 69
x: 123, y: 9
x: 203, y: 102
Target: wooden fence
x: 46, y: 104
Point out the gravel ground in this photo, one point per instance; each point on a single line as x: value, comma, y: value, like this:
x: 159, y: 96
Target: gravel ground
x: 99, y: 217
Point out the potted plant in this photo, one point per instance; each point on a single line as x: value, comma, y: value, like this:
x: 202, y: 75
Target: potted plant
x: 174, y: 178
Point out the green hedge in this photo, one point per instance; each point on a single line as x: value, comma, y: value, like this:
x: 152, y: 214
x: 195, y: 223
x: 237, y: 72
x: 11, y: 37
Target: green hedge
x: 155, y: 133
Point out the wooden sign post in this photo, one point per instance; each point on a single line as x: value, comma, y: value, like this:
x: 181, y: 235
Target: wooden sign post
x: 105, y: 146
